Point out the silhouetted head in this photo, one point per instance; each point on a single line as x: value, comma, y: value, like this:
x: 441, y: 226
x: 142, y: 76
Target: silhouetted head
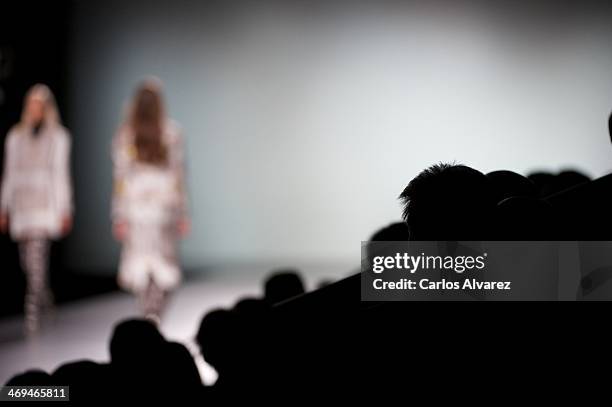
x: 526, y: 218
x: 135, y: 341
x: 543, y: 182
x: 549, y: 184
x: 395, y: 232
x: 508, y: 184
x: 570, y: 178
x: 251, y: 307
x: 217, y: 338
x: 77, y: 371
x: 448, y: 202
x: 83, y: 377
x: 32, y: 377
x: 282, y: 285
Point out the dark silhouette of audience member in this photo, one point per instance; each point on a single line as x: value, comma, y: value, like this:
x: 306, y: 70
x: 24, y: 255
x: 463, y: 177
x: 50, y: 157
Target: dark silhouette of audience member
x: 585, y: 208
x: 449, y: 202
x: 136, y: 350
x: 219, y: 343
x: 134, y: 341
x: 526, y: 218
x: 508, y: 184
x: 34, y: 377
x: 395, y: 232
x: 84, y: 377
x: 549, y: 184
x: 282, y: 285
x: 252, y: 307
x: 541, y: 180
x: 144, y: 366
x: 570, y: 178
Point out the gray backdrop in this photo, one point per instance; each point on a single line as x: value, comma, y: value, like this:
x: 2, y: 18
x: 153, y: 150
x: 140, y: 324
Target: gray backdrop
x: 304, y: 122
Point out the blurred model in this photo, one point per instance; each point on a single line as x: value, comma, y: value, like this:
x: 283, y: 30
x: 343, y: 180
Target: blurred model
x: 149, y: 201
x: 36, y: 204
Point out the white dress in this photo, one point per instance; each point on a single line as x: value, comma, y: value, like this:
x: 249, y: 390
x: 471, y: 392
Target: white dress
x: 36, y: 185
x: 151, y: 200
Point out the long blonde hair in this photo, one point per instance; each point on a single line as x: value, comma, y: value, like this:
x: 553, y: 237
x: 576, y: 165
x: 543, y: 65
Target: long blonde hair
x: 44, y: 94
x: 146, y: 119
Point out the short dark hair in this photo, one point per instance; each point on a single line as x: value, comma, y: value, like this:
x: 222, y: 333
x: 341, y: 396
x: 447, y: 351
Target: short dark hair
x: 448, y: 202
x: 283, y: 284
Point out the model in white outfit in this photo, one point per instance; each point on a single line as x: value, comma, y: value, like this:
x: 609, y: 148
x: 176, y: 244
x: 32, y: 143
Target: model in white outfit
x: 149, y: 206
x: 36, y: 200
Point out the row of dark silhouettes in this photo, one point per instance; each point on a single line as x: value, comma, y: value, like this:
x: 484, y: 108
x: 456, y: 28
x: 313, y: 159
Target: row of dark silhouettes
x: 292, y: 342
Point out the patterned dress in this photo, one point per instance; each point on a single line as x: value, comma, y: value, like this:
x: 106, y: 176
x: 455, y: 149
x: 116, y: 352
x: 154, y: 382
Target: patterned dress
x: 36, y: 186
x: 151, y: 200
x: 36, y: 195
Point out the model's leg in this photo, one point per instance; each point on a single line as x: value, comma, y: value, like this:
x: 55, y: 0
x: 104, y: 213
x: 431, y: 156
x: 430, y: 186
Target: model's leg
x: 153, y: 301
x: 34, y: 254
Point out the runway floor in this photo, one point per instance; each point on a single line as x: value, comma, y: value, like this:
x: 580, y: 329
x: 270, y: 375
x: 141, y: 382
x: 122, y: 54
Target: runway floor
x: 82, y: 329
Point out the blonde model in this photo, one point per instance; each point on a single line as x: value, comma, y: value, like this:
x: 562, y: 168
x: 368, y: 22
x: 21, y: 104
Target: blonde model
x: 36, y: 201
